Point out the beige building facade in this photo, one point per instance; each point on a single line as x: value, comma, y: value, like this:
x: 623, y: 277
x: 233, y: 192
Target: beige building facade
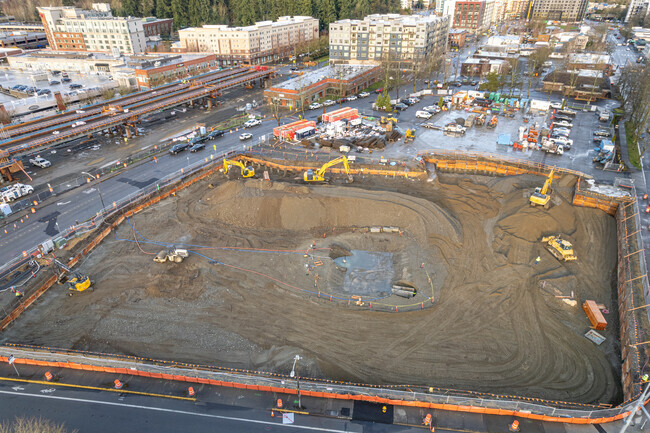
x: 266, y: 41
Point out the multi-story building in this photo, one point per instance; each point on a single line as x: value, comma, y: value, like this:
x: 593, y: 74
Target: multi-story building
x: 637, y: 8
x: 516, y: 9
x: 559, y: 10
x: 410, y: 4
x: 473, y: 15
x: 25, y: 40
x: 367, y: 41
x: 263, y: 42
x: 71, y: 29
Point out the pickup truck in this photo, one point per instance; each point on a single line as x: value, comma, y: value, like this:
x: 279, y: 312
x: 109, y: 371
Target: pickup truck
x: 40, y: 162
x: 550, y: 146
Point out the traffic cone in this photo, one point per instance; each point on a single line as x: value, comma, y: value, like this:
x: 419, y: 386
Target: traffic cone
x: 190, y: 391
x: 514, y: 427
x: 279, y: 403
x: 118, y: 384
x: 48, y: 376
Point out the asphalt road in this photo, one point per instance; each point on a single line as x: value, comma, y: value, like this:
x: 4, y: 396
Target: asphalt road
x: 107, y: 412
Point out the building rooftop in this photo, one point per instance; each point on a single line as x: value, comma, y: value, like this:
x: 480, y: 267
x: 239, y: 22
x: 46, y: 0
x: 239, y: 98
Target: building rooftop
x: 389, y: 19
x: 590, y: 58
x: 280, y: 22
x: 336, y: 72
x: 137, y: 61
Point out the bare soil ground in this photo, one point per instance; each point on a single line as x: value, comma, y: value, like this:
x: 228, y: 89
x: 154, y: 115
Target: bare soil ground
x: 497, y: 324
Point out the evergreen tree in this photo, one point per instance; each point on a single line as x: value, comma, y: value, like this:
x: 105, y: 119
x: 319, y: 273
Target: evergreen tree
x: 148, y: 8
x: 131, y: 8
x: 326, y: 13
x: 179, y: 13
x: 306, y: 8
x: 345, y: 9
x: 361, y: 9
x: 163, y: 9
x: 198, y: 12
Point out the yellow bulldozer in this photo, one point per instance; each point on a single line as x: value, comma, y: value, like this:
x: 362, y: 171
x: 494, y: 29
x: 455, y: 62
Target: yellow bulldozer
x: 560, y: 248
x: 384, y: 120
x: 245, y: 171
x: 319, y: 176
x: 542, y: 196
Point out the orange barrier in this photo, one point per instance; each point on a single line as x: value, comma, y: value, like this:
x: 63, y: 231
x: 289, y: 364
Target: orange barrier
x: 328, y: 395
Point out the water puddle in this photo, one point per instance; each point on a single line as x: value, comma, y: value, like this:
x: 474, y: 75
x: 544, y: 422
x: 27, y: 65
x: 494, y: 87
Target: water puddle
x: 368, y: 272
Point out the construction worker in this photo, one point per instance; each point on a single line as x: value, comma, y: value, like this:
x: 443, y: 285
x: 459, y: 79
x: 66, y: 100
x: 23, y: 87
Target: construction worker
x: 645, y: 378
x: 537, y: 260
x: 16, y: 291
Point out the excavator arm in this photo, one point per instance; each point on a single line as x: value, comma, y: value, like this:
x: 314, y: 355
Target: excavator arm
x: 245, y: 171
x: 549, y: 181
x: 319, y: 176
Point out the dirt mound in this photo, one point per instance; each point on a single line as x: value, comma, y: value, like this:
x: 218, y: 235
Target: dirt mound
x: 337, y: 251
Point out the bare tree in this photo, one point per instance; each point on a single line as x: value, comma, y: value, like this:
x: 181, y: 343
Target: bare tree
x: 634, y: 86
x: 276, y: 109
x: 32, y: 425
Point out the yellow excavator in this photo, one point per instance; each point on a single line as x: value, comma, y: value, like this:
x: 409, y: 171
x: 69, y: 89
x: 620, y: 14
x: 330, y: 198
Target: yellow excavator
x: 245, y: 171
x: 76, y: 282
x: 542, y: 196
x: 560, y: 248
x: 410, y: 136
x: 319, y: 176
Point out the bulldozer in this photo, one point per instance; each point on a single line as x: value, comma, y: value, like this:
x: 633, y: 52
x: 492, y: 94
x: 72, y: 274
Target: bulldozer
x: 319, y: 176
x: 560, y: 248
x: 75, y: 281
x: 175, y: 255
x: 409, y: 136
x: 245, y: 171
x: 542, y: 196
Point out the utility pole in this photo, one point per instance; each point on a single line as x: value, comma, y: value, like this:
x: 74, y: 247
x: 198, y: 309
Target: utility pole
x: 293, y: 373
x: 90, y: 176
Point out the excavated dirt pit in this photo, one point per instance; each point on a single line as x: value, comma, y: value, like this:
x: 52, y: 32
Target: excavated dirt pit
x: 249, y: 299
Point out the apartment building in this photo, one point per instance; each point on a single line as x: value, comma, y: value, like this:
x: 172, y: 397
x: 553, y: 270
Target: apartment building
x: 473, y: 15
x: 72, y: 29
x: 559, y: 10
x: 637, y: 8
x: 411, y: 37
x: 263, y: 42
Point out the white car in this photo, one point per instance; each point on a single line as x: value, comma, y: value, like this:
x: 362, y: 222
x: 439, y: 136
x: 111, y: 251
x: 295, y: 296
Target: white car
x: 567, y: 143
x: 561, y: 129
x: 556, y: 105
x: 79, y: 123
x: 364, y: 94
x: 351, y: 98
x: 430, y: 125
x: 563, y: 123
x: 328, y: 103
x: 432, y: 109
x: 423, y: 114
x: 245, y: 136
x: 55, y: 133
x: 315, y: 106
x: 252, y: 122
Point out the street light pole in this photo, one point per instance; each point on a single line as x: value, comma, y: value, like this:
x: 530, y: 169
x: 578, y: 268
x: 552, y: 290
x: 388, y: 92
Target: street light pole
x: 101, y: 199
x: 292, y: 374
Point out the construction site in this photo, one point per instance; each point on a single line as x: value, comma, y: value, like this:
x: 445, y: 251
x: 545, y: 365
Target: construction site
x: 433, y: 276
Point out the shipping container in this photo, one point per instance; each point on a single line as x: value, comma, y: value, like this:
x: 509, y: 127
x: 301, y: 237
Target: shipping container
x: 595, y: 316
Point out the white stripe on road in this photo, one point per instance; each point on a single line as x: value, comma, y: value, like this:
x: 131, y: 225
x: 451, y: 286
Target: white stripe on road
x: 181, y: 412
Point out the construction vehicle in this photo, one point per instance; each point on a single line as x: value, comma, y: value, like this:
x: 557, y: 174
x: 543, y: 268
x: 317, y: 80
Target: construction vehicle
x: 384, y: 120
x: 542, y: 196
x: 245, y: 171
x: 560, y: 248
x: 76, y: 282
x: 175, y: 255
x: 410, y: 136
x: 318, y: 176
x: 493, y: 122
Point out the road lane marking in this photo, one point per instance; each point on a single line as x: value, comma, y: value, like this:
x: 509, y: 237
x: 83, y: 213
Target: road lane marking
x: 176, y: 411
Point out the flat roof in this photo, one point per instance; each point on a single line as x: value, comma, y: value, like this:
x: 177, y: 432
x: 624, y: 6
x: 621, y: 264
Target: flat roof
x: 338, y: 72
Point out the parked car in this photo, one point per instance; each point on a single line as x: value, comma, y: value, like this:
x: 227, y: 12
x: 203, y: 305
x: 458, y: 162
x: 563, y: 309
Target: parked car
x: 197, y: 146
x: 54, y: 82
x: 565, y: 142
x: 66, y: 80
x: 432, y: 109
x: 245, y: 136
x: 380, y: 90
x: 560, y: 132
x: 328, y: 103
x: 603, y: 133
x: 315, y: 106
x: 78, y: 123
x: 421, y: 114
x: 252, y: 122
x: 364, y: 94
x: 75, y: 86
x: 55, y: 132
x: 429, y: 125
x: 352, y: 98
x: 563, y: 123
x: 40, y: 162
x: 341, y: 100
x: 177, y: 148
x: 56, y: 72
x: 44, y: 92
x: 400, y: 106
